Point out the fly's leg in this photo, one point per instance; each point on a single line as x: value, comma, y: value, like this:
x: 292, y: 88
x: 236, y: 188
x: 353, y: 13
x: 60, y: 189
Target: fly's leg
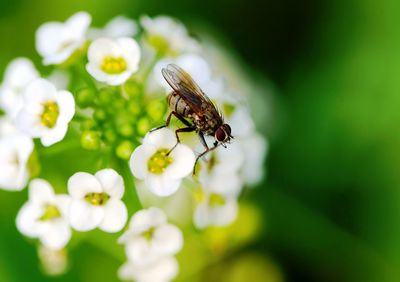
x: 185, y: 129
x: 202, y: 140
x: 202, y: 154
x: 178, y: 116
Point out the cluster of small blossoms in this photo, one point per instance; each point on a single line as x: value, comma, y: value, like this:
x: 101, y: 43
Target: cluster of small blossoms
x: 103, y: 86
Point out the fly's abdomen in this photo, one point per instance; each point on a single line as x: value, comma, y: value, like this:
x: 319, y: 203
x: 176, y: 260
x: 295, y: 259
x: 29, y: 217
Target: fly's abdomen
x: 177, y: 104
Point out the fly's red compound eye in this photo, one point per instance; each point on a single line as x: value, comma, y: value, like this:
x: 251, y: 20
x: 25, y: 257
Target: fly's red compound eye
x: 220, y: 135
x: 227, y: 129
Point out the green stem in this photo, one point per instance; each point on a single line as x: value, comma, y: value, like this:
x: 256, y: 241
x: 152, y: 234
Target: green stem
x: 130, y: 189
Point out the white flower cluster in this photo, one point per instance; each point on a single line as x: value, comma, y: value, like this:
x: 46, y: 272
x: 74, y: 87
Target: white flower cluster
x: 150, y: 245
x: 123, y: 59
x: 93, y: 201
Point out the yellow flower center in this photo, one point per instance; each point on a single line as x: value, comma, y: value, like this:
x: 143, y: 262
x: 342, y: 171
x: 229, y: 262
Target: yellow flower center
x: 159, y: 161
x: 97, y: 199
x: 159, y: 43
x: 50, y: 114
x: 51, y: 212
x: 216, y: 200
x: 113, y: 65
x: 148, y: 234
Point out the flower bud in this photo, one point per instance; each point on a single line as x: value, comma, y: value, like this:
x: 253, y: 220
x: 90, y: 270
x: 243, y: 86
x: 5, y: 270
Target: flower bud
x: 90, y: 140
x: 124, y: 150
x: 85, y: 97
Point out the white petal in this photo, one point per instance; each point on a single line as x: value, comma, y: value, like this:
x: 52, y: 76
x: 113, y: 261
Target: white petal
x: 144, y: 219
x: 40, y: 192
x: 168, y: 239
x: 131, y: 51
x: 138, y: 250
x: 139, y: 159
x: 161, y: 138
x: 112, y: 182
x: 183, y: 162
x: 62, y: 201
x: 115, y: 216
x: 224, y: 215
x: 79, y: 23
x: 27, y: 220
x: 66, y: 104
x: 50, y: 30
x: 83, y: 216
x: 54, y: 135
x: 201, y: 216
x: 121, y: 26
x: 38, y: 91
x: 57, y: 234
x: 161, y: 185
x: 100, y: 48
x: 82, y: 183
x: 29, y: 123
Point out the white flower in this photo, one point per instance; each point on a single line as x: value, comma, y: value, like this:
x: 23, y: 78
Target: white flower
x: 162, y: 172
x: 19, y: 73
x: 44, y: 216
x: 96, y: 201
x: 163, y: 270
x: 15, y: 151
x: 56, y: 41
x: 46, y: 112
x: 113, y: 61
x: 119, y: 26
x: 150, y: 237
x: 7, y: 127
x: 167, y: 35
x: 256, y: 148
x: 215, y: 208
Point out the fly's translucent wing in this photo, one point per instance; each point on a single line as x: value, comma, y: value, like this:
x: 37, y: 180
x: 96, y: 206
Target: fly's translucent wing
x: 188, y: 89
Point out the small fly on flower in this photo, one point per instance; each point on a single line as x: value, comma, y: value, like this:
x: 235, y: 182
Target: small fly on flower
x: 188, y: 101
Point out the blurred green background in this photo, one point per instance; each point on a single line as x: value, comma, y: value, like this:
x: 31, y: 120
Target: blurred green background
x: 332, y: 196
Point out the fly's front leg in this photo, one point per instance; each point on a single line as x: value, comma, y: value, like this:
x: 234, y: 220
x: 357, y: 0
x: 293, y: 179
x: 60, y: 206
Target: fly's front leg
x: 202, y: 154
x: 185, y: 129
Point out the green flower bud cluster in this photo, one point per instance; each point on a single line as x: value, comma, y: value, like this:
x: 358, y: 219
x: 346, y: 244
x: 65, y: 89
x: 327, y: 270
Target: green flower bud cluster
x: 119, y: 117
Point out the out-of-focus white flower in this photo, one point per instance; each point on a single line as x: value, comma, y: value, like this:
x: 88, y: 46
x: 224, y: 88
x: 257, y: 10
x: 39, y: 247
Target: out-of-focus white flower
x: 256, y: 147
x: 7, y: 127
x: 119, y: 26
x: 54, y: 262
x: 46, y: 112
x: 162, y: 172
x: 19, y: 73
x: 241, y: 121
x: 163, y: 270
x: 150, y: 237
x: 113, y: 61
x: 167, y: 35
x: 56, y: 41
x: 44, y: 216
x: 15, y: 151
x: 216, y: 207
x: 198, y: 68
x: 96, y: 201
